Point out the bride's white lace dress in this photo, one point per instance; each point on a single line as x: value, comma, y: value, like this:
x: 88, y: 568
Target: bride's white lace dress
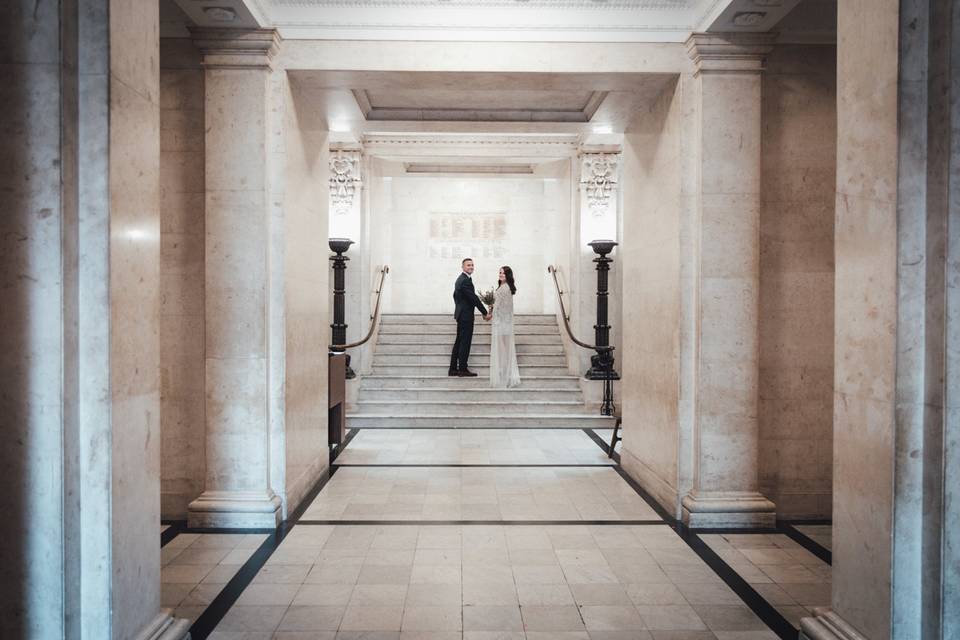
x: 504, y: 371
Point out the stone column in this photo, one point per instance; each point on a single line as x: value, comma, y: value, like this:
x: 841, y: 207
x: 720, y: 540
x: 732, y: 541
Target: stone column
x: 726, y: 83
x: 896, y: 551
x: 238, y: 490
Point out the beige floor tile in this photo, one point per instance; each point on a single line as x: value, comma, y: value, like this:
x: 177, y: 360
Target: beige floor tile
x: 611, y: 618
x: 173, y: 593
x: 268, y: 594
x: 203, y: 594
x: 184, y: 573
x: 708, y: 593
x: 790, y: 573
x: 538, y: 574
x: 333, y: 574
x: 673, y: 617
x: 378, y: 595
x: 600, y: 594
x: 589, y: 574
x: 384, y: 574
x: 432, y: 595
x: 486, y: 593
x: 327, y: 595
x: 283, y: 574
x: 311, y: 618
x: 435, y: 574
x: 729, y: 618
x: 372, y: 619
x: 252, y: 618
x: 654, y: 593
x: 544, y: 595
x: 810, y: 595
x: 551, y: 618
x: 436, y: 618
x: 492, y: 618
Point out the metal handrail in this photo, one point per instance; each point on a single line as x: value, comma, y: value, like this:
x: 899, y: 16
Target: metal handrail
x: 552, y: 270
x: 374, y: 317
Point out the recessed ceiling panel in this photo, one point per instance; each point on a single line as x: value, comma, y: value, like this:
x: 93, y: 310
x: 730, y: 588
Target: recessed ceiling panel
x: 468, y: 104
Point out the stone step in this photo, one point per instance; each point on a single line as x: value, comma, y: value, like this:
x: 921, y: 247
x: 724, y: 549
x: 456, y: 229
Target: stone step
x: 484, y: 408
x: 480, y: 328
x: 479, y: 359
x: 440, y: 369
x: 478, y: 349
x: 448, y: 339
x: 451, y: 395
x: 506, y: 421
x: 447, y: 318
x: 414, y: 381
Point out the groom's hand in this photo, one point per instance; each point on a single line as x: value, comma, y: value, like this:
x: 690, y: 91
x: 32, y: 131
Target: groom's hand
x: 488, y: 316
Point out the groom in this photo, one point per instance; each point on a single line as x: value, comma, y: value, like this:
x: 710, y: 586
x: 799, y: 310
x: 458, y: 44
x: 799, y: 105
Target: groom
x: 465, y: 298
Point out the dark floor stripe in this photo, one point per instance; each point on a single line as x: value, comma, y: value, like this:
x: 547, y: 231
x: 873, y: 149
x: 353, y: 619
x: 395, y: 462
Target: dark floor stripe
x: 214, y: 613
x: 805, y: 541
x: 175, y: 528
x: 763, y: 609
x: 603, y: 445
x: 335, y: 453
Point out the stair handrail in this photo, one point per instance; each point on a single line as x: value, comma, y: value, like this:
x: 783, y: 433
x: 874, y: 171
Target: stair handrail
x: 552, y: 270
x: 374, y: 317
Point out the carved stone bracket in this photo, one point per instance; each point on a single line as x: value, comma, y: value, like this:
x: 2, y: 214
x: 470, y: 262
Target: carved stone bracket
x: 599, y: 175
x: 236, y: 48
x: 345, y: 179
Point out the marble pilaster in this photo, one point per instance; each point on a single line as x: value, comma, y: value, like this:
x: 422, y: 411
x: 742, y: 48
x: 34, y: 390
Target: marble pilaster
x: 727, y: 83
x: 238, y: 489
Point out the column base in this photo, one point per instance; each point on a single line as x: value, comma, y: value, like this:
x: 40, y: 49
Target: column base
x: 235, y: 510
x: 728, y: 510
x: 827, y: 625
x: 165, y: 627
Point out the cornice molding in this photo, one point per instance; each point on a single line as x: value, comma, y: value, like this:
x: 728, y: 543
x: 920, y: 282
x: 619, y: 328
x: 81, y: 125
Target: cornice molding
x: 236, y: 48
x: 480, y: 140
x: 729, y: 52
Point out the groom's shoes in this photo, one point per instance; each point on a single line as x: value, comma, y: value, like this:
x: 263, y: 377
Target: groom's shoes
x: 453, y: 373
x: 466, y: 373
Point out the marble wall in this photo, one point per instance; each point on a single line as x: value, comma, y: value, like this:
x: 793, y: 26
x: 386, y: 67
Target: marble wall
x: 306, y: 324
x: 181, y: 276
x: 650, y: 257
x: 434, y: 222
x: 796, y: 279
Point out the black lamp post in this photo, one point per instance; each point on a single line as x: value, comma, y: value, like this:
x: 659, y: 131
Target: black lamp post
x: 339, y: 326
x: 601, y: 365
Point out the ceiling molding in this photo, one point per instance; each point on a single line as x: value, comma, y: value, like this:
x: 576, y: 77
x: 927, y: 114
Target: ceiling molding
x: 608, y: 5
x: 381, y: 113
x: 455, y: 168
x: 570, y: 141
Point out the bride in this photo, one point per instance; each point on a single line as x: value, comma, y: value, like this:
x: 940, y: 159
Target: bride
x: 504, y: 371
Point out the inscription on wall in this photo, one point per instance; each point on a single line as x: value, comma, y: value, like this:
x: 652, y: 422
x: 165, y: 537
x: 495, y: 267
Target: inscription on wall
x: 455, y: 235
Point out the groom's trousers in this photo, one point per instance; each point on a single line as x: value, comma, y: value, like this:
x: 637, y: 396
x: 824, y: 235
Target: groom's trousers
x: 461, y: 348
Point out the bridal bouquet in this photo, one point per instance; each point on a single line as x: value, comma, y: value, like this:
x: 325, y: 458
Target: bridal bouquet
x: 487, y: 297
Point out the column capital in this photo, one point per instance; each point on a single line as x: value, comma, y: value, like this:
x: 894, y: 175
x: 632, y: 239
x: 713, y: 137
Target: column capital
x: 236, y: 48
x: 729, y: 52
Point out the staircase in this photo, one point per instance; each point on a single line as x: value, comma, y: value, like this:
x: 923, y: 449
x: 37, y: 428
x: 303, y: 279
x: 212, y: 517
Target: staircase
x: 409, y: 386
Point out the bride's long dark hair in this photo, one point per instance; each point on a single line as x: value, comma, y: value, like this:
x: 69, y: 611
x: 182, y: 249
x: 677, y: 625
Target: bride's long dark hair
x: 508, y: 274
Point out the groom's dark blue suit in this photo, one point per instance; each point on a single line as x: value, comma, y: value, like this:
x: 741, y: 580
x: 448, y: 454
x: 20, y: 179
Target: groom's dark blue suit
x: 465, y: 299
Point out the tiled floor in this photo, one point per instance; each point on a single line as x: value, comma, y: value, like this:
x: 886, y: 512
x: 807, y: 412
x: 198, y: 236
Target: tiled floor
x: 785, y: 574
x: 486, y: 582
x: 196, y: 567
x: 473, y: 446
x: 478, y: 493
x: 822, y: 534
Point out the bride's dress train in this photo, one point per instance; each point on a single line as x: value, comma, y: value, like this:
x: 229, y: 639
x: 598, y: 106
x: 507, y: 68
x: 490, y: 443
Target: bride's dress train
x: 504, y: 371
